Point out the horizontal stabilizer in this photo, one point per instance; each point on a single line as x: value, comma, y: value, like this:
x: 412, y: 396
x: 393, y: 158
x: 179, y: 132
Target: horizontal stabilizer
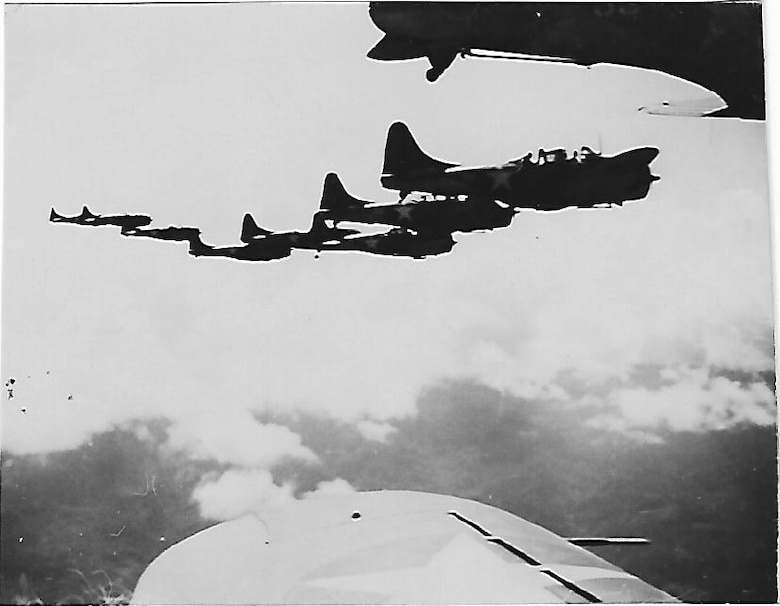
x: 693, y: 108
x: 404, y: 156
x: 251, y: 230
x: 335, y: 197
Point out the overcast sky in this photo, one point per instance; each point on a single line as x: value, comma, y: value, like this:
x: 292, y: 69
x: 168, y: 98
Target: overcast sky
x: 198, y: 114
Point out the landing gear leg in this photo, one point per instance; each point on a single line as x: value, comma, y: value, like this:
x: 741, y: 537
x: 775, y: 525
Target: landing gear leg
x: 440, y: 60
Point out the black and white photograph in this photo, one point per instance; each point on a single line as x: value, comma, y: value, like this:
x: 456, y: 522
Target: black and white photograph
x: 387, y: 303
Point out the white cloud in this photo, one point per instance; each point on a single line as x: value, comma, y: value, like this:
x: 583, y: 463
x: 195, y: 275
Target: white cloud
x: 240, y: 491
x: 235, y: 436
x: 237, y: 492
x: 377, y: 432
x: 329, y: 488
x: 697, y: 402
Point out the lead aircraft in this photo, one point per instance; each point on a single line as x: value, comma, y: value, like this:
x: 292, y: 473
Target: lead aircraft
x: 552, y: 181
x: 718, y: 45
x: 385, y: 547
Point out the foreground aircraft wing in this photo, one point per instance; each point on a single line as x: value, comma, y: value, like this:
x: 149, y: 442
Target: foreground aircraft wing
x: 385, y: 547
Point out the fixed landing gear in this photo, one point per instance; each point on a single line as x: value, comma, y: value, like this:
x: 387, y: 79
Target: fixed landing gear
x: 432, y: 75
x: 440, y: 60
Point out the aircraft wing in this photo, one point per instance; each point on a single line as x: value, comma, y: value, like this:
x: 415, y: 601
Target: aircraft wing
x: 385, y: 547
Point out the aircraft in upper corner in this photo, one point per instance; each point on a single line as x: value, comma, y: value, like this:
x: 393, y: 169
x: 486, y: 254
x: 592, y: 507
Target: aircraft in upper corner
x: 87, y: 217
x: 384, y: 547
x: 553, y: 182
x: 717, y: 45
x: 426, y: 216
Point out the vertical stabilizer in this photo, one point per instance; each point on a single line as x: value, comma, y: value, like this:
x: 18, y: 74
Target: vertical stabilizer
x: 87, y: 214
x: 335, y: 197
x: 404, y: 156
x: 251, y: 230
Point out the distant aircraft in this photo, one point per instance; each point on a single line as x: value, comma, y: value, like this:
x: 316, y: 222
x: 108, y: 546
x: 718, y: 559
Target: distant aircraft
x: 552, y: 182
x: 261, y: 249
x: 384, y: 547
x: 397, y: 242
x: 171, y: 233
x: 426, y: 216
x: 318, y: 234
x: 717, y: 45
x: 86, y: 217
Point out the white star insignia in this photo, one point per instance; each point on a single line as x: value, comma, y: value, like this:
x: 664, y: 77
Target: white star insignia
x: 405, y: 212
x: 500, y: 179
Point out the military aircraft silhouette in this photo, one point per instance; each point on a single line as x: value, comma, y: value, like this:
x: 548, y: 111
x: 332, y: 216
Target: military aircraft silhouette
x: 426, y: 216
x: 318, y: 234
x: 397, y: 242
x: 717, y: 45
x: 171, y: 233
x: 552, y: 182
x: 261, y: 249
x: 125, y: 222
x: 384, y: 547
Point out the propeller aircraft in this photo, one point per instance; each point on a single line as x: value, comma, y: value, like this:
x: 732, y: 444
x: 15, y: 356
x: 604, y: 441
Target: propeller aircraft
x: 318, y: 234
x: 553, y: 182
x: 260, y: 249
x: 87, y: 217
x: 717, y: 45
x: 425, y: 216
x: 171, y: 233
x: 397, y: 242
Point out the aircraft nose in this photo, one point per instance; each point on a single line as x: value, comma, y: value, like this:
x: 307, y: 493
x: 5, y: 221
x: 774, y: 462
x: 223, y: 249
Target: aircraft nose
x: 386, y: 16
x: 643, y: 155
x: 648, y: 154
x: 417, y: 20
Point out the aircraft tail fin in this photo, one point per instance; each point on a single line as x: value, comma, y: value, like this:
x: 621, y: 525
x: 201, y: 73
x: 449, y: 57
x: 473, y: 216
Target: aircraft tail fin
x: 250, y: 229
x: 335, y: 197
x: 54, y: 215
x: 404, y: 156
x: 86, y: 213
x: 318, y: 225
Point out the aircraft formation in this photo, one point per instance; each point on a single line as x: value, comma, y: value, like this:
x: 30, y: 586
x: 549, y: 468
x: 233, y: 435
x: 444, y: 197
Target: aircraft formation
x: 450, y: 198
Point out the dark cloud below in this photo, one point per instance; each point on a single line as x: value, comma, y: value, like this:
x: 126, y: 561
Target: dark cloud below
x: 706, y: 500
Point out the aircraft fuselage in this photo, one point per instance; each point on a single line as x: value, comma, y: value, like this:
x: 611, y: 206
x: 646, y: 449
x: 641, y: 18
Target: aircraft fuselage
x: 429, y: 216
x: 548, y: 186
x: 714, y: 44
x: 397, y: 243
